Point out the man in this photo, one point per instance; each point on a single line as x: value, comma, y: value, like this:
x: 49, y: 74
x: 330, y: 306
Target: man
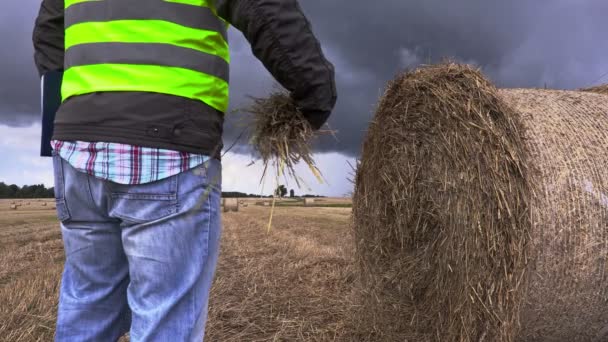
x: 137, y: 142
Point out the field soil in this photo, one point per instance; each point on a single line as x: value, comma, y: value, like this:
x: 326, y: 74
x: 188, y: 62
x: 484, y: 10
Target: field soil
x: 292, y: 283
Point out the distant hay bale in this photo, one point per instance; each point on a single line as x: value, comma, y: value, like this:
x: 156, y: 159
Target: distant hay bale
x: 309, y: 202
x: 266, y: 204
x: 601, y: 89
x: 479, y: 214
x: 13, y: 207
x: 44, y: 204
x: 231, y: 204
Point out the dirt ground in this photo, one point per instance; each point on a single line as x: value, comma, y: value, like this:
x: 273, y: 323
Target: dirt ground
x: 292, y: 284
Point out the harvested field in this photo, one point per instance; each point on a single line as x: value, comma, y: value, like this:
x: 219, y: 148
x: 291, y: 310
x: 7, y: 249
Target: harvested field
x: 293, y: 284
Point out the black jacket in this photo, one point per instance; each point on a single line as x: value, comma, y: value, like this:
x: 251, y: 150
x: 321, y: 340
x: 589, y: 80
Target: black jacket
x: 280, y: 37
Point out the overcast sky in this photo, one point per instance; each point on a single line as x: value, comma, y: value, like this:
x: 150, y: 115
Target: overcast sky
x: 518, y: 43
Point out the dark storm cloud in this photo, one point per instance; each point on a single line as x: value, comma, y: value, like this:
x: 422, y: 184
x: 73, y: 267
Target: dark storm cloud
x: 518, y: 43
x: 19, y: 94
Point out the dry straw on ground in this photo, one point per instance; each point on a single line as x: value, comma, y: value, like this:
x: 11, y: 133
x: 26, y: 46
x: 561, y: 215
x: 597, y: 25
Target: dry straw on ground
x: 479, y: 214
x: 290, y: 285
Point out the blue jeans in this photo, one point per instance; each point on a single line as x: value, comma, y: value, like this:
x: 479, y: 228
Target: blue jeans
x: 139, y: 258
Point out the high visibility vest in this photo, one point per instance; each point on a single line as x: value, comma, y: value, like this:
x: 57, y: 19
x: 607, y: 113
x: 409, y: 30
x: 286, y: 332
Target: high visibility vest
x: 176, y: 47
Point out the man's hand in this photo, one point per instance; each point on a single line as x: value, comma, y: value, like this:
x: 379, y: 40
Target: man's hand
x: 316, y: 118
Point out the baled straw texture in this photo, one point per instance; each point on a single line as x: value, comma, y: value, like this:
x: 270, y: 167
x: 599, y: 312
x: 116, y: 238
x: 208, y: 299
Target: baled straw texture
x: 441, y: 210
x: 480, y: 215
x: 567, y: 135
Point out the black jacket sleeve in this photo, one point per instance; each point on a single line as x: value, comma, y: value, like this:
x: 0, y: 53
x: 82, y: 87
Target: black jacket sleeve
x: 282, y: 39
x: 48, y: 37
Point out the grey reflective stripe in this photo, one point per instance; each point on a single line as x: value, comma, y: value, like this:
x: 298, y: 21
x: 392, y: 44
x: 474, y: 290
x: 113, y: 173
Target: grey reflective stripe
x: 146, y: 54
x: 108, y: 10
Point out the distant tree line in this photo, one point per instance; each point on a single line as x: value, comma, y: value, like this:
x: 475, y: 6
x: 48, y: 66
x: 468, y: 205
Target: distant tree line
x: 232, y: 194
x: 280, y: 191
x: 26, y: 191
x: 40, y: 191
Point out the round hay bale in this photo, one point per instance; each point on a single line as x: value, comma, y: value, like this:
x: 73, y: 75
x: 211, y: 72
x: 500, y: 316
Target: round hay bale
x: 231, y: 204
x: 309, y: 202
x: 266, y: 204
x: 479, y: 214
x: 44, y: 204
x: 13, y: 207
x: 601, y: 89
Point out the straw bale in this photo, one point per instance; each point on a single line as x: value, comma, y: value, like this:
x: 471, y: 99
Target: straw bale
x: 44, y: 204
x: 231, y: 204
x: 479, y: 214
x: 308, y: 202
x: 601, y: 89
x: 13, y: 207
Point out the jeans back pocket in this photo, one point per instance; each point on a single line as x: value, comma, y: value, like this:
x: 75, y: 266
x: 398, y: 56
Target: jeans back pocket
x: 147, y: 202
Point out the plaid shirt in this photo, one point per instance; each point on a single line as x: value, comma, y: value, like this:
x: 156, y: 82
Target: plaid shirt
x: 125, y: 164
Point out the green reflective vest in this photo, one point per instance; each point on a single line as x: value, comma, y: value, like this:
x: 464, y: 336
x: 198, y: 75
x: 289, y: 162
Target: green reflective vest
x: 176, y: 47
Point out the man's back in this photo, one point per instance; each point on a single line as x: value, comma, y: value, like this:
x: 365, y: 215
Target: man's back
x: 145, y: 88
x: 156, y: 73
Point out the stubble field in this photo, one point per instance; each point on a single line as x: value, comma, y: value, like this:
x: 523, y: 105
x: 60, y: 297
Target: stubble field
x: 292, y: 284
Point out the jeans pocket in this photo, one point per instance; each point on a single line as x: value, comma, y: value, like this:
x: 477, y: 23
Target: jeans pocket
x: 147, y: 202
x: 63, y: 213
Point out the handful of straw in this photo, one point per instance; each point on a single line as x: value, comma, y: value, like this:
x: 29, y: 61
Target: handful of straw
x: 282, y: 135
